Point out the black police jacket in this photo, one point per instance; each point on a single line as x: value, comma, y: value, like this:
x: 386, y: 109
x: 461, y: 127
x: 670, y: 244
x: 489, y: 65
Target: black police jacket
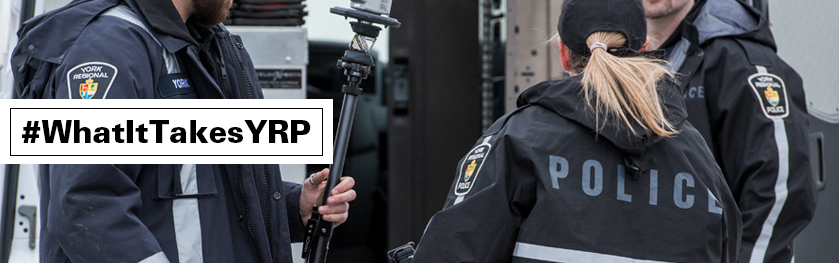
x: 750, y: 106
x: 150, y: 213
x: 542, y: 186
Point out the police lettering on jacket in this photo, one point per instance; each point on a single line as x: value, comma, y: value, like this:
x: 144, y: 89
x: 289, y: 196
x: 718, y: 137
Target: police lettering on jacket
x: 683, y: 184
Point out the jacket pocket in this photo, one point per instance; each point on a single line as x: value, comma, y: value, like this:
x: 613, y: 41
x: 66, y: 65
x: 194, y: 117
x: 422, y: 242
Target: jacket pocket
x: 185, y: 181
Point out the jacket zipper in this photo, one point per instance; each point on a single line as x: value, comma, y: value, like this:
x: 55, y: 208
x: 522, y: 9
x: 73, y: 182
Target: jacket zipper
x: 241, y: 66
x: 225, y: 82
x: 247, y: 213
x: 267, y: 211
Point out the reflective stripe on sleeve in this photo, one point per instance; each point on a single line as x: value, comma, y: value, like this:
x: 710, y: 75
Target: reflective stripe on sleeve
x: 156, y: 258
x: 762, y: 243
x: 781, y: 192
x: 187, y: 219
x: 458, y: 199
x: 555, y: 254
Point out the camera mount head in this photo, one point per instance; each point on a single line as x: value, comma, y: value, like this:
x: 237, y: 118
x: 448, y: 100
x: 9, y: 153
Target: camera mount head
x: 357, y: 61
x: 365, y: 16
x: 381, y: 7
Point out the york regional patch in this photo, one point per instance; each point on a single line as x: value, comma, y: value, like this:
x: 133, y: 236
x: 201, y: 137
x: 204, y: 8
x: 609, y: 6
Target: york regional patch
x: 771, y: 93
x: 471, y: 166
x: 91, y: 80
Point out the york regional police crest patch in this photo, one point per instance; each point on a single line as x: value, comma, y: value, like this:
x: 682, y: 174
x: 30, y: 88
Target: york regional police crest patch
x: 771, y: 93
x: 91, y: 80
x: 471, y: 166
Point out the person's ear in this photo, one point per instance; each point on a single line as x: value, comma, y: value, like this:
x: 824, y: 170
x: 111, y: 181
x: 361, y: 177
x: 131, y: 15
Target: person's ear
x: 564, y: 55
x: 646, y: 45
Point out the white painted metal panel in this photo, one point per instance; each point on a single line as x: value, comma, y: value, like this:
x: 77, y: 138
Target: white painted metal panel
x: 805, y: 31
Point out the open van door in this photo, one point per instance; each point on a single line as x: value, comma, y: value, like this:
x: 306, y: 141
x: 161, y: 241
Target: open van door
x: 19, y: 224
x: 19, y: 190
x: 796, y: 26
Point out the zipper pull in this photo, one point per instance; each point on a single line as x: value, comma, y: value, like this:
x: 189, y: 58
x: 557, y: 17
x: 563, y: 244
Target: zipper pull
x: 632, y: 170
x: 221, y: 62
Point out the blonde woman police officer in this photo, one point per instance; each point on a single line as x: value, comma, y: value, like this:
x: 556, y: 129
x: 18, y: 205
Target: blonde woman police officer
x: 598, y: 167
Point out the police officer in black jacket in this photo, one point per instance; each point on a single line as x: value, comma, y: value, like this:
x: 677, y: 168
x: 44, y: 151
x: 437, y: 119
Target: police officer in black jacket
x: 599, y: 167
x: 749, y: 105
x: 158, y: 213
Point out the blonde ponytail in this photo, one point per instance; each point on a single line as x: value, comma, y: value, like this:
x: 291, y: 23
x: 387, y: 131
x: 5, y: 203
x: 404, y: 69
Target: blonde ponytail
x: 624, y: 87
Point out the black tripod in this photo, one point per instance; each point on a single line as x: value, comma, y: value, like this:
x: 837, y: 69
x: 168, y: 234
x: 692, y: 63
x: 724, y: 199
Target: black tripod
x: 356, y: 64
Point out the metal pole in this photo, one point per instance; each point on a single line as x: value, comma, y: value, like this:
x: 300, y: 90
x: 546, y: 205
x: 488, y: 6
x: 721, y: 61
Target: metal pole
x: 486, y: 74
x: 336, y: 170
x: 27, y: 11
x: 9, y: 206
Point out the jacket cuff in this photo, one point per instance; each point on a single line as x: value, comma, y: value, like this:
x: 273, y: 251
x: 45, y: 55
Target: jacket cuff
x: 295, y: 222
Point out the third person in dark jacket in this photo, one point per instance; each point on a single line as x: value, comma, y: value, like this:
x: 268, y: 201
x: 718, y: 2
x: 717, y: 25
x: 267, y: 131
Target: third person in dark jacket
x: 598, y: 167
x: 749, y: 106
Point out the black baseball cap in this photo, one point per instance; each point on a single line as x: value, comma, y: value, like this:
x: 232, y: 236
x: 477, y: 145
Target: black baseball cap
x: 580, y: 18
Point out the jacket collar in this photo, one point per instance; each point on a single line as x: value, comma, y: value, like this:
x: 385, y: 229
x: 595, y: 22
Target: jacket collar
x: 720, y: 18
x: 165, y: 21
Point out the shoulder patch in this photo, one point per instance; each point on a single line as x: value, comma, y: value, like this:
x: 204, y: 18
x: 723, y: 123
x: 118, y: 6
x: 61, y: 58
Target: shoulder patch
x: 471, y: 166
x: 91, y: 80
x: 771, y: 93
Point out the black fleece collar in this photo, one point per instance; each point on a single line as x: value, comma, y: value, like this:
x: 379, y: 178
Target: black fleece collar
x: 683, y: 30
x: 694, y: 11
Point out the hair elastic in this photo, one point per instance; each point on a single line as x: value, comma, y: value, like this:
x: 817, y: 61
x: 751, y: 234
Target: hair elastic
x: 598, y: 45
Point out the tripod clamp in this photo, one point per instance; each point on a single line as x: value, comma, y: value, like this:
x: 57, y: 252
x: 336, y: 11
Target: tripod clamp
x: 356, y: 66
x: 357, y: 61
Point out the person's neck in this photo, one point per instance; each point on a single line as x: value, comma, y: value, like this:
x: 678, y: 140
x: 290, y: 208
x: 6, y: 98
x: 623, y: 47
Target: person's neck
x: 660, y: 29
x: 184, y: 8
